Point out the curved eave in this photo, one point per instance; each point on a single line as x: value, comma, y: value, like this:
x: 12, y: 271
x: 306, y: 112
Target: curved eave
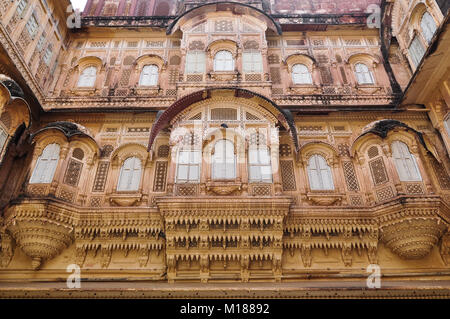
x: 186, y: 101
x: 16, y: 93
x: 383, y: 127
x: 69, y: 134
x: 192, y: 12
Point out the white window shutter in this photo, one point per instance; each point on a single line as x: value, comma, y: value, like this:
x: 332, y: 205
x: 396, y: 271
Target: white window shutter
x: 301, y: 74
x: 416, y: 50
x: 363, y: 74
x: 195, y: 62
x: 252, y: 62
x: 3, y: 138
x: 224, y: 160
x: 130, y: 175
x: 136, y: 175
x: 149, y: 75
x: 428, y: 26
x: 46, y: 164
x: 188, y: 166
x: 319, y: 173
x: 313, y: 174
x: 447, y: 125
x: 88, y: 77
x: 223, y: 61
x: 405, y: 162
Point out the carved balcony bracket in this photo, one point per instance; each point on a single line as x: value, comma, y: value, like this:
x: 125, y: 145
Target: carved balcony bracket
x: 41, y: 233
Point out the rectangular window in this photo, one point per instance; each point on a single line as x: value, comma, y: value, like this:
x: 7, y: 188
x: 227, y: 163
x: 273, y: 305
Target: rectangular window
x: 417, y: 51
x: 48, y: 55
x: 188, y: 168
x: 21, y: 6
x: 260, y: 169
x: 3, y: 138
x: 32, y: 26
x: 252, y: 62
x: 195, y: 62
x: 40, y: 44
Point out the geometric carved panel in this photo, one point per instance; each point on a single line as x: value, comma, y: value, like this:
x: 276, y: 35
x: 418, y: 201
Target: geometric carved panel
x: 441, y: 174
x: 385, y: 193
x: 288, y: 175
x: 187, y: 189
x: 350, y: 176
x: 73, y: 173
x: 285, y: 150
x: 160, y: 177
x: 163, y: 151
x: 261, y: 190
x: 378, y: 170
x: 100, y: 177
x: 356, y: 201
x: 66, y: 195
x: 414, y: 188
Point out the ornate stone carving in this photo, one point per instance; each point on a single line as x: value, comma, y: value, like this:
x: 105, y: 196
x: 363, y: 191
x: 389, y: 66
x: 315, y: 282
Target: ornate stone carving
x: 411, y: 233
x: 223, y: 188
x: 445, y: 248
x: 7, y: 251
x: 40, y: 233
x: 324, y: 199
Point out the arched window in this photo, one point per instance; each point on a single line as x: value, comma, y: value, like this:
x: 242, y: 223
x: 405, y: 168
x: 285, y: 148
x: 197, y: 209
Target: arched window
x: 300, y: 74
x: 428, y: 26
x: 195, y: 62
x: 363, y: 74
x: 3, y: 138
x: 87, y: 77
x: 447, y: 125
x: 260, y: 169
x: 223, y: 61
x: 252, y: 62
x: 405, y: 163
x: 130, y: 175
x: 46, y: 165
x: 188, y: 166
x: 149, y: 75
x: 416, y: 50
x: 319, y: 174
x: 224, y: 161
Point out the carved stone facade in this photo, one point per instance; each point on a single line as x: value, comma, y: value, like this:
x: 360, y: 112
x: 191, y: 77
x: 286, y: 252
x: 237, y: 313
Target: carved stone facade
x: 228, y: 143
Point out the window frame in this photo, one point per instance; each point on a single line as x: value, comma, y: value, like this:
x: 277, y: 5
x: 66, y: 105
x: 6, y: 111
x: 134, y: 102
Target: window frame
x: 402, y: 158
x: 320, y: 171
x: 91, y: 77
x: 190, y: 164
x: 48, y: 55
x: 424, y: 26
x: 21, y: 10
x: 214, y: 169
x: 252, y: 62
x: 4, y: 135
x: 46, y: 169
x: 301, y: 75
x: 363, y: 77
x: 221, y: 64
x: 131, y: 182
x: 32, y: 26
x: 194, y: 64
x: 259, y: 164
x: 154, y: 76
x: 413, y: 51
